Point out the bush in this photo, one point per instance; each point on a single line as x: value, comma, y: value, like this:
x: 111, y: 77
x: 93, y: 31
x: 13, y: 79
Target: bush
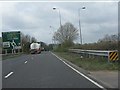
x: 26, y: 47
x: 61, y: 49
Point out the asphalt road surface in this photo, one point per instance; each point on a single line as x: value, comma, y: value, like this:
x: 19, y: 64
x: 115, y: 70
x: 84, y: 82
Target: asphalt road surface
x: 41, y: 71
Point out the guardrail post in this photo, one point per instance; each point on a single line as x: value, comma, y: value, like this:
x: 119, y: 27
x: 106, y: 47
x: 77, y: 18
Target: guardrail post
x: 89, y: 55
x: 93, y: 56
x: 108, y: 58
x: 5, y: 51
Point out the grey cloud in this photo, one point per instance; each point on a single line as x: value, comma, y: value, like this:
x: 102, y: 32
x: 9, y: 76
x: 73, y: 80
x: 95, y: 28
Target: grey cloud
x: 35, y: 18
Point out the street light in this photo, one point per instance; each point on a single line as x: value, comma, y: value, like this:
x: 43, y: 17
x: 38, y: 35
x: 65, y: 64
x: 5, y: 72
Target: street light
x: 54, y: 8
x: 80, y: 24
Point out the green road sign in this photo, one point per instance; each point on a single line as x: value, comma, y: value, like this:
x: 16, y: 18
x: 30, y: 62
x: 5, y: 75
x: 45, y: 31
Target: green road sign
x: 11, y: 40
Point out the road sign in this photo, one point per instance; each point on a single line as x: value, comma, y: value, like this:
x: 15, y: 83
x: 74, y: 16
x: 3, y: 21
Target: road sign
x: 11, y: 40
x: 113, y: 56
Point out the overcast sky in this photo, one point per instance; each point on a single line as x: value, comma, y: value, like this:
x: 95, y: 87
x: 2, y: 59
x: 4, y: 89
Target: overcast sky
x: 35, y: 18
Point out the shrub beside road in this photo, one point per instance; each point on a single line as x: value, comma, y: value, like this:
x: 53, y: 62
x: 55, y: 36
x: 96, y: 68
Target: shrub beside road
x: 91, y: 64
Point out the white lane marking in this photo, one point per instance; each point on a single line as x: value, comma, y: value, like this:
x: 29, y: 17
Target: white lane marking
x: 26, y: 62
x: 9, y: 75
x: 79, y: 72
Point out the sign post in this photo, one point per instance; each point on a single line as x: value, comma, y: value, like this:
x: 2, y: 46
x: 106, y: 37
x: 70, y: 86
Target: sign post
x: 11, y: 40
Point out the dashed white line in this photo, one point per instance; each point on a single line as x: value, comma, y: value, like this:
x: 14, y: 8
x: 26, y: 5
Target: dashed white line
x: 9, y: 75
x: 26, y: 62
x: 79, y: 72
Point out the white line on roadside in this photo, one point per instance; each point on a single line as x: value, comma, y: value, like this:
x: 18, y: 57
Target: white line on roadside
x: 9, y: 75
x: 26, y: 62
x: 79, y: 72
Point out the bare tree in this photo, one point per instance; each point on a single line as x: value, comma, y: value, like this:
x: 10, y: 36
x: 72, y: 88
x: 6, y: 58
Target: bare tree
x: 33, y: 39
x: 66, y: 34
x: 26, y: 40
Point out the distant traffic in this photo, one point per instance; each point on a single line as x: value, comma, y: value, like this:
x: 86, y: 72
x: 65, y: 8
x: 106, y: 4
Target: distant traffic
x: 35, y: 48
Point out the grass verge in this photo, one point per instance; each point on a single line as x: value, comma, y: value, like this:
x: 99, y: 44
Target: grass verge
x: 91, y: 64
x: 5, y: 57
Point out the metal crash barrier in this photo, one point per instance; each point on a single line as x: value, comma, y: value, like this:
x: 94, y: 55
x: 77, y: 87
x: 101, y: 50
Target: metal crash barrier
x: 112, y: 55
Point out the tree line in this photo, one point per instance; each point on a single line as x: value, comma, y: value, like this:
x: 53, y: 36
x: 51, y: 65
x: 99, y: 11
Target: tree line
x: 65, y: 37
x: 26, y: 40
x: 108, y: 42
x: 67, y: 33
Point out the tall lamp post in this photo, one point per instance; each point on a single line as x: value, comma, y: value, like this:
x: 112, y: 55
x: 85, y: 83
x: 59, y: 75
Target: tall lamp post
x: 80, y: 24
x: 54, y: 8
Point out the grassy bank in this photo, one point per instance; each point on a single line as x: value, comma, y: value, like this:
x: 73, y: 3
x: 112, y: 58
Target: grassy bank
x: 5, y: 57
x: 92, y: 64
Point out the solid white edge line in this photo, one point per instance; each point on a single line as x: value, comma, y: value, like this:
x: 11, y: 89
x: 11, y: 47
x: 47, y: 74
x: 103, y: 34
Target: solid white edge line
x: 26, y: 62
x: 9, y: 75
x: 80, y: 73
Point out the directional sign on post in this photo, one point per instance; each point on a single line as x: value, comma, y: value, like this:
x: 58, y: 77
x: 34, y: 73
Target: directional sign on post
x: 11, y: 40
